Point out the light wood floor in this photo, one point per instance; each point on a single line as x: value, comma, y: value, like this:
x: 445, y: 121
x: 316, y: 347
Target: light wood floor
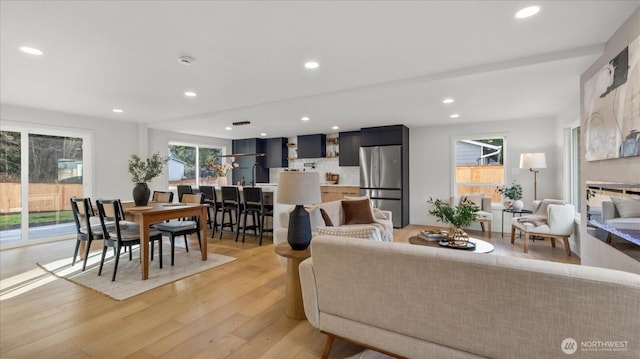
x: 233, y: 311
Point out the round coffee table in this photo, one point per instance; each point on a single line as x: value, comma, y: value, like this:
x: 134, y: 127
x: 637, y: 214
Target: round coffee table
x: 481, y: 246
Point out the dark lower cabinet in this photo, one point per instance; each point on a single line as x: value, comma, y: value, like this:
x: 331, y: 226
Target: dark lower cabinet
x: 277, y: 152
x: 312, y: 146
x: 246, y: 163
x: 349, y: 145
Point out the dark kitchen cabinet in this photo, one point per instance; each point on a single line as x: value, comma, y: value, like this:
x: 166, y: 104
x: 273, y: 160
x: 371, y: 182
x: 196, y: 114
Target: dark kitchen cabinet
x: 384, y: 135
x: 277, y: 152
x: 349, y: 145
x: 246, y: 163
x: 312, y: 146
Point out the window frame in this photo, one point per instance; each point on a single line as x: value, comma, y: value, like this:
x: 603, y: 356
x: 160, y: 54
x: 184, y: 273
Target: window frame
x: 222, y: 149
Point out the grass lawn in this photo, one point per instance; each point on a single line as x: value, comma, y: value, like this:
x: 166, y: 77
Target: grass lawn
x: 11, y: 221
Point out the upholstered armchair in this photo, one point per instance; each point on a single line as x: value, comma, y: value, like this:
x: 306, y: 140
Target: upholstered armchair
x: 482, y: 201
x: 550, y: 218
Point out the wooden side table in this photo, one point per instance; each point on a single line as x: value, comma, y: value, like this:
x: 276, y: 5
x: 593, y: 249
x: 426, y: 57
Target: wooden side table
x: 294, y: 308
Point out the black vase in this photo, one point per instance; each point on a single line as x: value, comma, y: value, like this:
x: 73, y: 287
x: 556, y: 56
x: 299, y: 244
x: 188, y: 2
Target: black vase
x: 141, y: 193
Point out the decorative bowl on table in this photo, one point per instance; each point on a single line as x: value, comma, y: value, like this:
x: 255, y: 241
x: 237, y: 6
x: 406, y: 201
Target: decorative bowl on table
x: 433, y: 235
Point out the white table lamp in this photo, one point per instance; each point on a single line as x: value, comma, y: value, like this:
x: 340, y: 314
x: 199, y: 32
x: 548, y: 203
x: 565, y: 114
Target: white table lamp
x: 533, y: 161
x: 299, y: 188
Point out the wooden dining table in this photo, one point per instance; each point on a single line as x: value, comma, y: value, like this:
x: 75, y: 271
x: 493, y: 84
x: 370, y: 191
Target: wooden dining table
x: 158, y: 212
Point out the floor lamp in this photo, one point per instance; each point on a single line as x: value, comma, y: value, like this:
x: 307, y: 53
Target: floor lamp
x: 533, y: 161
x: 299, y: 188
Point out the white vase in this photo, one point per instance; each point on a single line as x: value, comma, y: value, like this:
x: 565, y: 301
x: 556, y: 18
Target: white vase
x: 222, y: 181
x: 518, y: 205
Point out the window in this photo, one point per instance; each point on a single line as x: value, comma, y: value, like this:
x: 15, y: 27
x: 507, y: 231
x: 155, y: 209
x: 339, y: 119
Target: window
x: 188, y: 164
x: 39, y: 171
x: 479, y: 166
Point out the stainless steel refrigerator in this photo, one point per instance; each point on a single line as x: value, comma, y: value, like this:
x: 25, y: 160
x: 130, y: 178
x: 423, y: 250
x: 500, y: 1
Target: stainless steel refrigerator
x: 381, y: 178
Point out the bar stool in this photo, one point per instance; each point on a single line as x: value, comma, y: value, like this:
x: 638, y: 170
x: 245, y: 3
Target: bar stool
x: 230, y: 202
x: 253, y: 201
x: 210, y: 198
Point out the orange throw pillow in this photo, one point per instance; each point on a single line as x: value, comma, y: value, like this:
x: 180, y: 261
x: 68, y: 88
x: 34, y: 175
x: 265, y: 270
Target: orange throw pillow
x: 357, y: 212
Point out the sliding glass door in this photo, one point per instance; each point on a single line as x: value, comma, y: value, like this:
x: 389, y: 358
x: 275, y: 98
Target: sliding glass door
x: 40, y: 171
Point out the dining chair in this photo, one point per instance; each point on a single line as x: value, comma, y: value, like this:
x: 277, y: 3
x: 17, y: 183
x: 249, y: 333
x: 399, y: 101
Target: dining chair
x: 210, y: 198
x: 184, y: 189
x: 110, y: 211
x: 253, y: 204
x: 177, y: 228
x: 162, y: 197
x: 85, y: 231
x: 230, y: 204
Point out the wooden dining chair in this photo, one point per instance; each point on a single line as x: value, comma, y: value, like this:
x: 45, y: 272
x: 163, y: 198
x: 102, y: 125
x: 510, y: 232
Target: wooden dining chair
x: 110, y: 211
x: 177, y: 228
x: 182, y: 190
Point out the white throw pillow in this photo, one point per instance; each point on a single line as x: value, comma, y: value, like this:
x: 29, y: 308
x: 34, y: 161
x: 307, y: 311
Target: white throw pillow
x: 628, y: 208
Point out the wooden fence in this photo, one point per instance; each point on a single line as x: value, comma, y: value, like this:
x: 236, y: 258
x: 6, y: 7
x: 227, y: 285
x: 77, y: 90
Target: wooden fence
x: 43, y: 197
x: 480, y: 174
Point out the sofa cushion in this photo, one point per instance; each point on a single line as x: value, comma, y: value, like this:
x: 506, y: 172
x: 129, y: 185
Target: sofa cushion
x: 325, y: 216
x: 627, y: 208
x: 357, y: 212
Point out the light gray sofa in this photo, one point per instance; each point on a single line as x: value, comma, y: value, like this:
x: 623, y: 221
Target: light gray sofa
x: 421, y: 302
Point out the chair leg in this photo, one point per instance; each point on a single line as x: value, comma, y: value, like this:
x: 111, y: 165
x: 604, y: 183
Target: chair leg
x: 152, y: 246
x: 75, y: 252
x: 489, y: 228
x: 104, y: 252
x: 115, y: 268
x: 159, y: 250
x: 244, y: 229
x: 327, y: 346
x: 238, y: 215
x: 86, y: 254
x: 261, y: 227
x: 173, y: 248
x: 186, y: 243
x: 513, y: 234
x: 566, y: 246
x: 553, y: 242
x: 526, y: 242
x: 130, y: 252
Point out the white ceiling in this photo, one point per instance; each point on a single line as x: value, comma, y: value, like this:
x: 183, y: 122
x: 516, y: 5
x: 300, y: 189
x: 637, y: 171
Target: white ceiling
x: 381, y: 62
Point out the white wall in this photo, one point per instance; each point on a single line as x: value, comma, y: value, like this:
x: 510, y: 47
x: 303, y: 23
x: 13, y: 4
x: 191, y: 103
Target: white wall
x: 115, y: 141
x: 431, y: 159
x: 594, y: 252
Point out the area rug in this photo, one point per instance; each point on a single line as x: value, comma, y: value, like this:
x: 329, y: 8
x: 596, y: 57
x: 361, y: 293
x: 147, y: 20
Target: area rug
x: 128, y: 281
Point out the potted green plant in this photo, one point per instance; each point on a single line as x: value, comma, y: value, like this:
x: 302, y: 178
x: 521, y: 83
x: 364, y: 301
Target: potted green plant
x: 514, y: 193
x: 458, y: 216
x: 143, y: 171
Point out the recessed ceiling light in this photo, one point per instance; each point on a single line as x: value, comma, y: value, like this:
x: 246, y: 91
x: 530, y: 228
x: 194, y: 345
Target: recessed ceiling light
x: 263, y: 134
x: 31, y: 50
x: 448, y: 100
x: 335, y: 128
x: 190, y: 94
x: 311, y: 65
x: 454, y: 115
x: 305, y: 118
x: 117, y: 110
x: 228, y: 128
x: 527, y: 11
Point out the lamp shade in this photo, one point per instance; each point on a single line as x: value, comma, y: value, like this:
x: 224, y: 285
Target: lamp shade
x: 299, y: 188
x: 533, y: 160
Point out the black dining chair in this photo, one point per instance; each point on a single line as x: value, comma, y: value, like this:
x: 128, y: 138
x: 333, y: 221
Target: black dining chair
x: 85, y: 231
x: 177, y: 228
x: 110, y: 211
x: 184, y: 189
x: 162, y: 197
x: 230, y: 205
x: 254, y: 205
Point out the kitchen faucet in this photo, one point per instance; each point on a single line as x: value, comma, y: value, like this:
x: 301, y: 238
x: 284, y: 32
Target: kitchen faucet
x: 253, y: 173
